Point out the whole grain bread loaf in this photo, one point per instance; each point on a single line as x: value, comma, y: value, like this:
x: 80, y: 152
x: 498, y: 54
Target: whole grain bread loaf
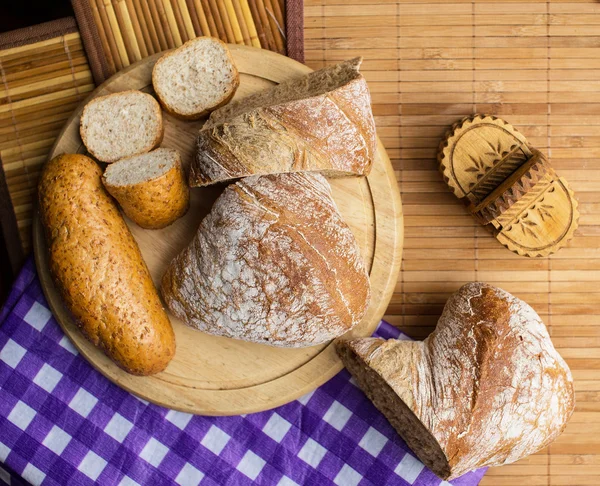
x: 98, y: 268
x: 196, y: 78
x: 319, y: 122
x: 151, y: 188
x: 486, y: 388
x: 121, y: 125
x: 274, y: 263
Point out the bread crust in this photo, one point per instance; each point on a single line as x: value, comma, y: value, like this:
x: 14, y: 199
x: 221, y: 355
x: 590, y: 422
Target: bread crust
x: 487, y: 384
x: 158, y: 136
x: 171, y: 109
x: 333, y: 133
x: 98, y: 268
x: 272, y: 263
x: 154, y: 203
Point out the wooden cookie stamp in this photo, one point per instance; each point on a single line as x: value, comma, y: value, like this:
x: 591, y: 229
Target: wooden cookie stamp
x: 508, y: 185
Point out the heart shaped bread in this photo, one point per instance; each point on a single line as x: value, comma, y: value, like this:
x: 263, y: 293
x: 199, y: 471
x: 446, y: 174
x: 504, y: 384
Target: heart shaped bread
x: 486, y: 388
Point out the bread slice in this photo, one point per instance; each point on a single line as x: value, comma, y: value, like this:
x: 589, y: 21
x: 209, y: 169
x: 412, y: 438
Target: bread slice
x: 272, y: 263
x: 195, y: 78
x: 151, y: 188
x: 121, y: 125
x: 319, y: 122
x: 486, y: 388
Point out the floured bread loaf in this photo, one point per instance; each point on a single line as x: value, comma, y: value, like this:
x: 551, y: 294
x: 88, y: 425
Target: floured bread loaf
x: 486, y: 388
x: 319, y: 122
x: 272, y: 263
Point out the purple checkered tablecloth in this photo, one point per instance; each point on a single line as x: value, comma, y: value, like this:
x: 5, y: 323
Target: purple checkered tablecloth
x: 62, y: 422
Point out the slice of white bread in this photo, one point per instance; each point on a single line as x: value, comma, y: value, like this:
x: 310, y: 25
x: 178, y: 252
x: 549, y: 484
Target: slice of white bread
x: 151, y: 188
x: 195, y: 78
x: 121, y: 125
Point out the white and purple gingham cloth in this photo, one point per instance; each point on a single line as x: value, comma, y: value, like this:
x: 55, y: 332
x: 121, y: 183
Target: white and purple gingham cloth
x: 62, y: 422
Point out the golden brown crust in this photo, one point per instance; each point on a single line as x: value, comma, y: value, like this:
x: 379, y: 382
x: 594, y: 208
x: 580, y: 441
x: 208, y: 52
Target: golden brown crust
x: 98, y: 268
x: 155, y: 203
x: 273, y: 263
x: 487, y: 384
x: 196, y: 116
x: 157, y: 139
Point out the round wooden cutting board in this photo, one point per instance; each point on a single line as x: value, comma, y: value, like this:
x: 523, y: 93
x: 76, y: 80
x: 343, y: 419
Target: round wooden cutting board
x: 219, y: 376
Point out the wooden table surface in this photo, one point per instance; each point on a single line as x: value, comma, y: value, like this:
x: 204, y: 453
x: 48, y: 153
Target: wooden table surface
x: 537, y: 64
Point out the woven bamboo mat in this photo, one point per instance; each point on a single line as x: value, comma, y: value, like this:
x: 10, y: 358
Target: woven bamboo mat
x: 45, y: 75
x: 537, y: 64
x: 125, y: 31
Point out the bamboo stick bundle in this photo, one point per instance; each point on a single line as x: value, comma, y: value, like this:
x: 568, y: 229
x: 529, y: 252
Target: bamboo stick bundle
x: 102, y: 34
x: 212, y: 25
x: 128, y: 35
x: 158, y: 26
x: 242, y: 22
x: 187, y: 19
x: 160, y: 9
x: 198, y: 16
x: 137, y: 28
x: 235, y: 24
x: 179, y: 21
x: 212, y: 10
x: 276, y: 31
x: 170, y: 16
x: 248, y: 19
x: 110, y: 37
x: 279, y: 16
x: 226, y: 21
x: 260, y: 27
x: 142, y: 19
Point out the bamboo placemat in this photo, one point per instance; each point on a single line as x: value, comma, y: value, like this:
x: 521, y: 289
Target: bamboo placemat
x: 122, y: 32
x: 45, y: 75
x: 537, y: 64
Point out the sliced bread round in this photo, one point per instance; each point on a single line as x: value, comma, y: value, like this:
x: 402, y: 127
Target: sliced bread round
x: 121, y: 125
x: 195, y: 78
x: 151, y: 188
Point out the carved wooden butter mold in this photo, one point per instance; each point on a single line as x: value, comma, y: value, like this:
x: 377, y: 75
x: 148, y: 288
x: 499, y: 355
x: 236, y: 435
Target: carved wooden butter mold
x: 508, y: 185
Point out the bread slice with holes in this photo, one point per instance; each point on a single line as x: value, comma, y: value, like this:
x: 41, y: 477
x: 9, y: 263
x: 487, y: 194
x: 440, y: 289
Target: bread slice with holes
x: 195, y: 78
x: 120, y: 125
x: 151, y: 188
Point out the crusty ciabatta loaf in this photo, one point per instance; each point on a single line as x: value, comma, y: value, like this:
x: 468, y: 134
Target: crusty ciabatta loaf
x: 98, y: 268
x: 272, y: 263
x: 196, y: 78
x: 151, y: 188
x: 120, y: 125
x: 486, y: 388
x: 319, y: 122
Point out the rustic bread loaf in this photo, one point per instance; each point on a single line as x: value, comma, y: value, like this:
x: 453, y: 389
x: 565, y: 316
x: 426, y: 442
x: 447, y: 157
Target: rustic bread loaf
x: 120, y: 125
x: 486, y: 388
x: 151, y: 188
x: 320, y: 122
x: 98, y: 268
x: 272, y: 263
x: 196, y: 78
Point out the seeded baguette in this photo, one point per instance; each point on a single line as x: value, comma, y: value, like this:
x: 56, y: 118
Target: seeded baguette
x: 121, y: 124
x: 98, y: 268
x: 151, y: 188
x: 196, y: 78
